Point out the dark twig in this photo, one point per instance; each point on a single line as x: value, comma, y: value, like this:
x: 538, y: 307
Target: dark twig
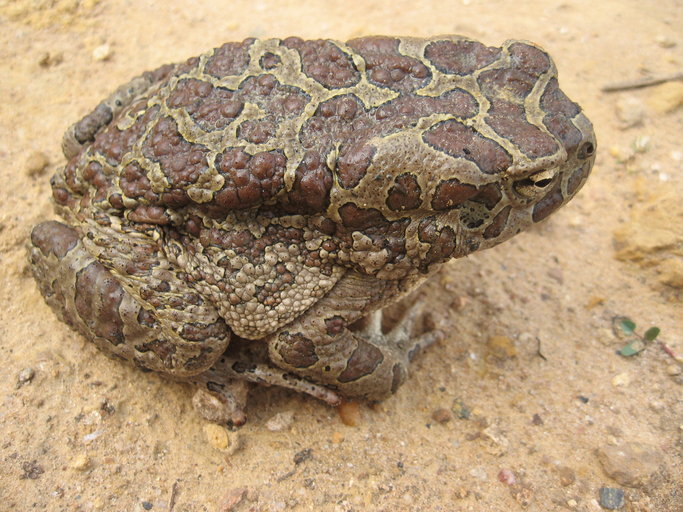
x: 642, y: 82
x: 174, y: 491
x: 539, y: 351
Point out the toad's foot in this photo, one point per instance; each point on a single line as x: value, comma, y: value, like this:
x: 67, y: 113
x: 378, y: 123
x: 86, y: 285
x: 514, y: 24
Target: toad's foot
x: 401, y: 334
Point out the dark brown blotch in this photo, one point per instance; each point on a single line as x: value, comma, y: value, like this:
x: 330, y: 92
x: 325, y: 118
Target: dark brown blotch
x: 212, y: 108
x: 363, y: 361
x: 325, y: 62
x: 387, y: 67
x: 576, y: 179
x: 114, y: 144
x: 335, y: 325
x: 297, y: 350
x: 452, y: 193
x: 462, y: 141
x: 200, y: 332
x: 311, y: 187
x: 509, y: 121
x: 550, y: 202
x: 554, y: 101
x: 229, y: 60
x: 97, y: 298
x: 353, y: 162
x: 163, y: 349
x: 398, y: 376
x: 249, y: 180
x: 269, y: 61
x: 488, y: 195
x: 181, y: 162
x: 529, y: 58
x: 149, y: 214
x: 460, y: 57
x: 442, y: 242
x: 497, y: 224
x: 134, y: 182
x: 54, y: 237
x: 504, y: 82
x: 256, y: 131
x: 356, y: 218
x: 405, y: 194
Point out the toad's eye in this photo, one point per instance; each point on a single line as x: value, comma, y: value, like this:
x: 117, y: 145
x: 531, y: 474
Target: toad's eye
x: 534, y: 185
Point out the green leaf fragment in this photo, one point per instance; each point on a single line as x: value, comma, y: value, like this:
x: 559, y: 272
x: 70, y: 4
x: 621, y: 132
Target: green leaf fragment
x: 631, y: 349
x: 627, y: 325
x: 651, y: 334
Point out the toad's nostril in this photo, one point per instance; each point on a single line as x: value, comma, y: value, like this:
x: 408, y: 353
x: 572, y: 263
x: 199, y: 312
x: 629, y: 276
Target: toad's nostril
x: 586, y: 150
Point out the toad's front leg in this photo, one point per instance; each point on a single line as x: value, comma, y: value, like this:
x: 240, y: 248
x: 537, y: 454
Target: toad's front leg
x: 365, y: 363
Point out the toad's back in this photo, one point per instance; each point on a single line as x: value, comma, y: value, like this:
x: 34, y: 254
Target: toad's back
x: 295, y: 125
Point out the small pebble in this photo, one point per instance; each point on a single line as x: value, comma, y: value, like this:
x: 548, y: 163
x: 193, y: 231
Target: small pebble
x: 665, y: 41
x: 630, y: 111
x: 32, y: 470
x: 657, y: 406
x: 630, y: 464
x: 88, y: 438
x: 567, y: 475
x: 501, y: 347
x: 442, y: 415
x: 507, y: 477
x: 217, y: 436
x: 25, y: 376
x: 231, y: 499
x: 459, y: 303
x: 349, y: 412
x: 537, y: 420
x: 497, y: 442
x: 556, y: 274
x: 81, y: 462
x: 281, y: 421
x: 48, y: 59
x: 611, y: 498
x: 479, y: 473
x: 102, y: 52
x: 621, y: 380
x: 673, y: 370
x: 36, y: 163
x: 147, y: 505
x: 571, y: 503
x: 461, y: 493
x: 666, y: 97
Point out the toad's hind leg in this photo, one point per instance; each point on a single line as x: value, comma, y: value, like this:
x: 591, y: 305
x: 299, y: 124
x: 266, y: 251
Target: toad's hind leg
x: 365, y: 363
x: 162, y: 325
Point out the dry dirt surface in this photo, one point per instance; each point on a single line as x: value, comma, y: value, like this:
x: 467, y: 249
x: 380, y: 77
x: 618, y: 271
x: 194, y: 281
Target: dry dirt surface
x: 526, y: 405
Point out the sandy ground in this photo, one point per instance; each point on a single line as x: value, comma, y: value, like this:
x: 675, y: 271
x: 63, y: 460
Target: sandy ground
x: 525, y: 406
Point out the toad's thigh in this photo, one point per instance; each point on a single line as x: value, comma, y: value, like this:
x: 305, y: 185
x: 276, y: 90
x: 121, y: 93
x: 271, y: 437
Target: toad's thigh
x: 173, y: 331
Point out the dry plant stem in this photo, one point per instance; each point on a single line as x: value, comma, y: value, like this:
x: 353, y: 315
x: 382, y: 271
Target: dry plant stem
x: 642, y: 82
